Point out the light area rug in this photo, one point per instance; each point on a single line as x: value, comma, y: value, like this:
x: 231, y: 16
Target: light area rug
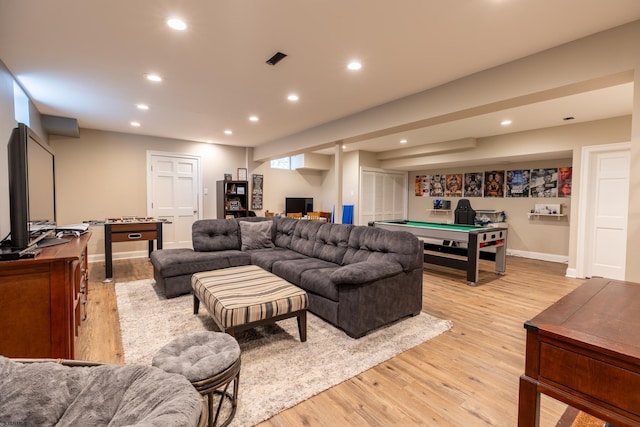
x: 277, y: 371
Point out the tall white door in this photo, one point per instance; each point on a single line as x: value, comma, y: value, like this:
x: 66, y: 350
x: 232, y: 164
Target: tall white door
x: 609, y: 199
x: 383, y: 195
x: 173, y: 183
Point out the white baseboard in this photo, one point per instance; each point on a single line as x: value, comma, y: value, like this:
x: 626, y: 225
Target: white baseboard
x: 573, y: 273
x: 539, y: 255
x: 120, y: 255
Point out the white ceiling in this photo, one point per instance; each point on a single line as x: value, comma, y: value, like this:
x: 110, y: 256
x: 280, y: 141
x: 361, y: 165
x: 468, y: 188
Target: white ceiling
x: 87, y: 60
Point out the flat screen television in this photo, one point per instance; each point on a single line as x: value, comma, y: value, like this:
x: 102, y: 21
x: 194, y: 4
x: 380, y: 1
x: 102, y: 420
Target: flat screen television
x: 31, y: 185
x: 298, y: 204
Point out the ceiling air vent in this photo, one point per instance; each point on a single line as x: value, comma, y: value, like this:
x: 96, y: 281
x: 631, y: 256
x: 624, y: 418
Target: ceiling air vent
x: 279, y: 56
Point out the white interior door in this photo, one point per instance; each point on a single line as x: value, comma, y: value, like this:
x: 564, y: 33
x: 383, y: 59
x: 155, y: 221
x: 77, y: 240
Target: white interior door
x: 607, y: 191
x: 173, y: 194
x: 383, y: 195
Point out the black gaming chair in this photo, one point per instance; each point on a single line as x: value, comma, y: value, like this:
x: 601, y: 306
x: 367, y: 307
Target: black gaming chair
x: 464, y: 213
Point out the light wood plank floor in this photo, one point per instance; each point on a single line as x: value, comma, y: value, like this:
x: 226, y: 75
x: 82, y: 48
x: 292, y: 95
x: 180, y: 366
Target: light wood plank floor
x: 465, y: 377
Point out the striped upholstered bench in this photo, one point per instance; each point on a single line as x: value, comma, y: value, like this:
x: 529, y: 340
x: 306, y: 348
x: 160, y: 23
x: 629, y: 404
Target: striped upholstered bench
x: 240, y: 298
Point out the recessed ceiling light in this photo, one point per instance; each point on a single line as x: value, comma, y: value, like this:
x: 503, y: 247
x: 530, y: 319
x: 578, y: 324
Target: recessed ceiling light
x: 354, y: 65
x: 344, y: 146
x: 142, y: 106
x: 153, y: 77
x: 177, y: 24
x: 228, y: 132
x: 253, y: 118
x: 505, y: 122
x: 403, y: 141
x: 135, y: 124
x: 293, y: 97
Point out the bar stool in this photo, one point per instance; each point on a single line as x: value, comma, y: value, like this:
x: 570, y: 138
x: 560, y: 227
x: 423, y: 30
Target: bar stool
x: 211, y: 361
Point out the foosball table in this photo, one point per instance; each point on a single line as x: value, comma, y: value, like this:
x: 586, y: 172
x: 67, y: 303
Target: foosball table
x: 129, y: 229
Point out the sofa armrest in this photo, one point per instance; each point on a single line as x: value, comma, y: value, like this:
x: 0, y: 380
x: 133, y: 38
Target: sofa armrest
x: 364, y: 272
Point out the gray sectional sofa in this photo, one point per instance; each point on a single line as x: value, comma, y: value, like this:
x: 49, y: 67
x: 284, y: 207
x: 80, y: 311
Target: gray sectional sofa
x: 358, y: 278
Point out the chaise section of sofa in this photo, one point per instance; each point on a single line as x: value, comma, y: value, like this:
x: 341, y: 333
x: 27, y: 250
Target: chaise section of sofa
x: 216, y: 245
x: 358, y: 278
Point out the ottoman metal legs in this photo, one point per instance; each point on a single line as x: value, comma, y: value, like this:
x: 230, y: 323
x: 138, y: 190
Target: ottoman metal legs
x: 211, y: 362
x: 211, y: 386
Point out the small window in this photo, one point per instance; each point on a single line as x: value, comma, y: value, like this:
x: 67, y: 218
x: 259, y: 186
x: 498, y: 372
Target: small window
x: 282, y: 163
x: 20, y: 105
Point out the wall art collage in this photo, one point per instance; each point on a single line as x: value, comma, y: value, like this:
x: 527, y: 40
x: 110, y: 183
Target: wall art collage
x: 542, y: 182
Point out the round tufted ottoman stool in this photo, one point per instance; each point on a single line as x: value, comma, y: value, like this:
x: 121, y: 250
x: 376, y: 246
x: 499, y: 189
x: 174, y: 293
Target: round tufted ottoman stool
x: 211, y: 361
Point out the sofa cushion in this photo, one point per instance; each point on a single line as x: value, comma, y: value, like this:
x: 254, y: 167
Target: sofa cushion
x: 331, y: 242
x: 284, y: 231
x: 377, y: 244
x: 364, y: 272
x: 178, y: 262
x: 266, y: 257
x: 304, y: 236
x: 291, y: 270
x: 255, y: 235
x: 215, y: 235
x: 318, y: 282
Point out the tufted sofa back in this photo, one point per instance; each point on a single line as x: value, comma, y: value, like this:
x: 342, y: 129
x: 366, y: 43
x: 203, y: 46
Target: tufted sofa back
x: 215, y: 235
x: 377, y: 244
x: 337, y: 243
x: 331, y: 242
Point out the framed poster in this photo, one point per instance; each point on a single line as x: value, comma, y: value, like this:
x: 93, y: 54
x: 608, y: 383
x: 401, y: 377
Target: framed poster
x: 544, y: 182
x: 422, y: 185
x: 256, y: 191
x: 473, y: 184
x: 242, y: 174
x: 518, y: 183
x: 437, y: 182
x: 564, y: 181
x: 454, y: 185
x: 494, y: 184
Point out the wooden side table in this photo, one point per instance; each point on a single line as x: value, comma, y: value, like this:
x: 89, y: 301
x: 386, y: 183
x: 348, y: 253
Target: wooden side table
x: 584, y: 350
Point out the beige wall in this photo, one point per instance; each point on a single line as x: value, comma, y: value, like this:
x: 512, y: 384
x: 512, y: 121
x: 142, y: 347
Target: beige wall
x: 7, y: 123
x: 537, y: 236
x: 103, y: 175
x: 279, y: 184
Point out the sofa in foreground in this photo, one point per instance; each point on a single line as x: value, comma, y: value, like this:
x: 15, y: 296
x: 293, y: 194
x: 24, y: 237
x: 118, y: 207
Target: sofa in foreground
x: 45, y: 392
x: 357, y: 278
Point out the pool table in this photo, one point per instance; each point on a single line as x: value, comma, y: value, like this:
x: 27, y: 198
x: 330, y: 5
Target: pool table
x: 474, y: 238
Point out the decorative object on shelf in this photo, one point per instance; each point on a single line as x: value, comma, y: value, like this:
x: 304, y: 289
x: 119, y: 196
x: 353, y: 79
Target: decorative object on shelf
x: 242, y: 174
x: 442, y: 204
x: 232, y: 198
x: 256, y: 191
x: 228, y: 177
x: 544, y: 208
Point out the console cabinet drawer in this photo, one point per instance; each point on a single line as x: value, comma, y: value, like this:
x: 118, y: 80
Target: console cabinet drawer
x: 592, y: 377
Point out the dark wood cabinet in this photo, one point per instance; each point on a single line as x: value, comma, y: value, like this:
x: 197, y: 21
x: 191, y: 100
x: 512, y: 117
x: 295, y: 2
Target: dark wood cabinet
x: 583, y: 351
x: 43, y: 301
x: 233, y: 199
